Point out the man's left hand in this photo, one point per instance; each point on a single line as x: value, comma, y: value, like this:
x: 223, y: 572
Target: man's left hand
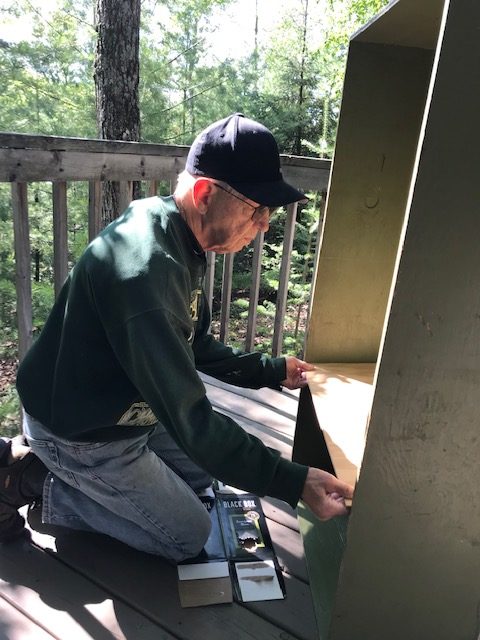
x: 296, y: 370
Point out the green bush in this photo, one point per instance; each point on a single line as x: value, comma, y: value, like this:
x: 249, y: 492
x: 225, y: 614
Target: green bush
x: 8, y: 302
x: 42, y: 301
x: 10, y: 420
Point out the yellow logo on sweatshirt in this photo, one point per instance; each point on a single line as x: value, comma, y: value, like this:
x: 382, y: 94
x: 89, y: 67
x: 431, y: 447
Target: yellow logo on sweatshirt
x: 138, y: 414
x: 195, y: 304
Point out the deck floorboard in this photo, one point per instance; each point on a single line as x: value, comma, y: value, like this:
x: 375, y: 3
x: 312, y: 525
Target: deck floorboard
x: 75, y: 585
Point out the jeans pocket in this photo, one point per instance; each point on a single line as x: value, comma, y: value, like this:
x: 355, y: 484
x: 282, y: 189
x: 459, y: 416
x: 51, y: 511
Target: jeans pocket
x: 54, y: 459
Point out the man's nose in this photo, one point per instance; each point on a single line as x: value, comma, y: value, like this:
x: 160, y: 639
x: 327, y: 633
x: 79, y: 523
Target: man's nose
x: 263, y: 221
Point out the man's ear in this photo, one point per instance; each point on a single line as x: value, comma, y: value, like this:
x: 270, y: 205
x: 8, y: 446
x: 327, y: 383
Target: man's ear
x: 202, y: 194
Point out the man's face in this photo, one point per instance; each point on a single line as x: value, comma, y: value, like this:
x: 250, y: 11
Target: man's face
x: 232, y: 221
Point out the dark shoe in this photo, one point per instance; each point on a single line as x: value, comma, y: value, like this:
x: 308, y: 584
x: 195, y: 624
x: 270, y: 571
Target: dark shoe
x: 21, y: 481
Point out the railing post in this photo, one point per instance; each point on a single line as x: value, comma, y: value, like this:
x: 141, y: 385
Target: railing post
x: 226, y: 295
x: 94, y: 208
x: 125, y: 194
x: 282, y: 294
x: 152, y: 188
x: 60, y: 235
x: 210, y: 277
x: 22, y: 267
x: 321, y: 217
x: 254, y: 291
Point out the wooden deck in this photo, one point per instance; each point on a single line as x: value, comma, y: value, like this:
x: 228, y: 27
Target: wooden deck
x: 72, y: 585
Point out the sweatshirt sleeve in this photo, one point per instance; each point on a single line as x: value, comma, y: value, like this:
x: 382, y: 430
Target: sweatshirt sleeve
x: 155, y: 353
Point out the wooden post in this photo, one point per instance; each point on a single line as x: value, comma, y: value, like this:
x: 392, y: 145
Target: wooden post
x: 254, y: 291
x: 210, y: 277
x: 321, y: 219
x: 283, y: 284
x: 94, y: 208
x: 22, y: 267
x: 226, y: 295
x: 152, y: 188
x: 125, y: 195
x: 60, y: 235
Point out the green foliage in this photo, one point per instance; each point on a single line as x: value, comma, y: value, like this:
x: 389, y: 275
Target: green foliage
x: 174, y: 75
x: 42, y: 301
x: 266, y: 309
x: 7, y: 306
x: 40, y: 219
x: 9, y: 412
x: 47, y: 86
x: 241, y: 305
x: 290, y: 79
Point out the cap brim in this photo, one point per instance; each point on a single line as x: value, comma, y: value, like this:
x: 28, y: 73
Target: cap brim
x: 270, y: 194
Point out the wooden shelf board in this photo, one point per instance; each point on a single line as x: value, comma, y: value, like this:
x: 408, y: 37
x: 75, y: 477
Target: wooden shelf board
x: 342, y: 397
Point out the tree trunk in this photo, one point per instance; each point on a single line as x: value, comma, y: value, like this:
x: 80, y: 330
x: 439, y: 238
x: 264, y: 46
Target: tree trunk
x: 116, y: 82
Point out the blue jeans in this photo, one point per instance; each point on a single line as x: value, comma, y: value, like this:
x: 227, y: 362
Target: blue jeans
x: 140, y: 490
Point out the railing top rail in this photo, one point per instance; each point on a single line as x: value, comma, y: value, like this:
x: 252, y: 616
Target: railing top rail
x: 23, y: 141
x: 25, y: 157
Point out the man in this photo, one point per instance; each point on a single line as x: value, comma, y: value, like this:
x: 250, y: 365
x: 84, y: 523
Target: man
x: 115, y: 408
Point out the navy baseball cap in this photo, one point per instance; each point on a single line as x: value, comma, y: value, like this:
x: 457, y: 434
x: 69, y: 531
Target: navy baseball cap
x: 244, y: 154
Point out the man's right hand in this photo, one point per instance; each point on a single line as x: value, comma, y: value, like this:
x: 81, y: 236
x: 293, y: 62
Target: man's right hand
x: 325, y: 494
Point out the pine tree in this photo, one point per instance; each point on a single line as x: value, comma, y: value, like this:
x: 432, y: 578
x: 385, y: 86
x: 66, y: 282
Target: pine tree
x: 116, y: 82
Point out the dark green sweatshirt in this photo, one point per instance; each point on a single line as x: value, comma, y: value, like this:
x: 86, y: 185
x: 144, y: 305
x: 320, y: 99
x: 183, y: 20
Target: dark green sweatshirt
x: 122, y: 346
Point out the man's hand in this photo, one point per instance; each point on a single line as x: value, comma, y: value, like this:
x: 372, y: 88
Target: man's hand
x: 296, y: 373
x: 325, y: 494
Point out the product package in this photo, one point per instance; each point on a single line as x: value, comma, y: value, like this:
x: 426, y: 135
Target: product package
x: 238, y: 561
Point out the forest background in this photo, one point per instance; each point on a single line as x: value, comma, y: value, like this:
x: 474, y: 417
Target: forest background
x: 278, y: 61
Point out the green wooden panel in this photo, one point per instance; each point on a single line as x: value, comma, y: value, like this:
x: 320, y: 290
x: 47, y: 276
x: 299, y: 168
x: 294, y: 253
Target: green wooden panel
x: 324, y: 546
x: 412, y: 564
x: 374, y: 158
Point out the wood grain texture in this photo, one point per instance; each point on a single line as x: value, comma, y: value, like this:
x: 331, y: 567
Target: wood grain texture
x: 23, y: 283
x: 30, y: 158
x: 413, y: 537
x: 342, y: 396
x: 62, y: 602
x: 93, y: 586
x: 60, y: 235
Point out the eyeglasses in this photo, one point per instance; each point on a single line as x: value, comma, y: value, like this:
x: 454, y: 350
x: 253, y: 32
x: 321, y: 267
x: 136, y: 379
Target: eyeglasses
x: 258, y: 212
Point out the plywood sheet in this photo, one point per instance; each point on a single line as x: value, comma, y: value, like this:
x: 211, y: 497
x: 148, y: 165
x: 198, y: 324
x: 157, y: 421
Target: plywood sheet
x: 408, y: 23
x: 342, y: 396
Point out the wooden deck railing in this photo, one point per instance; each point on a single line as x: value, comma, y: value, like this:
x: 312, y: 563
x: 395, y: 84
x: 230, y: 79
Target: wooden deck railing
x: 26, y: 159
